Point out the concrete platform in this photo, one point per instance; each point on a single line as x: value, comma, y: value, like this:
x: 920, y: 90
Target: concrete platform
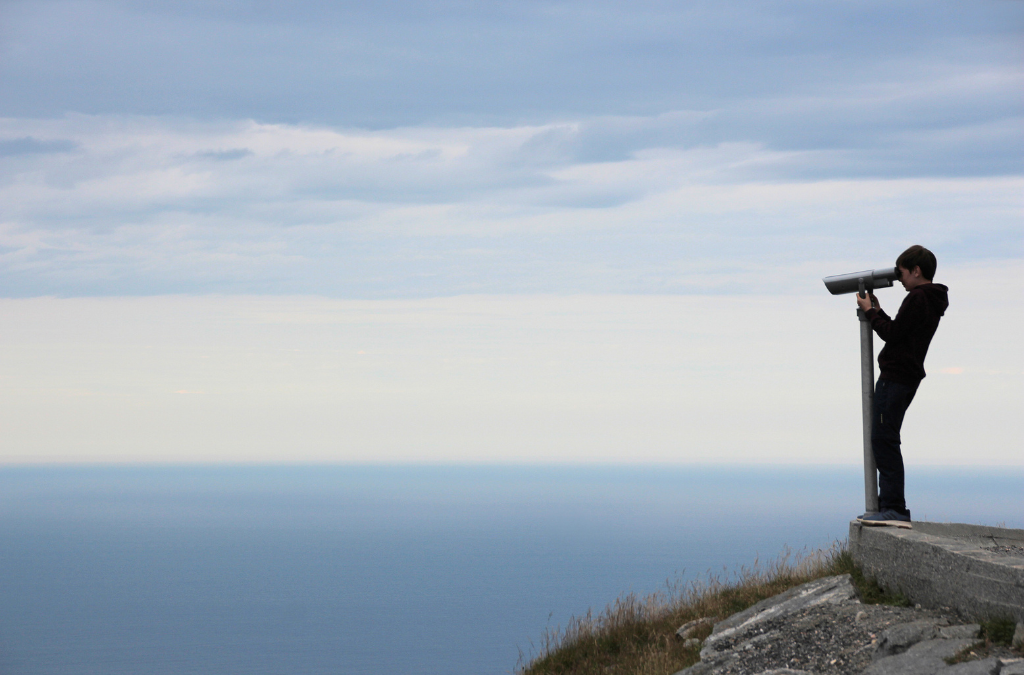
x: 976, y: 570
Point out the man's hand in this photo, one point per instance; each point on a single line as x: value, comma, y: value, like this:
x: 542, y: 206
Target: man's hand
x: 868, y: 302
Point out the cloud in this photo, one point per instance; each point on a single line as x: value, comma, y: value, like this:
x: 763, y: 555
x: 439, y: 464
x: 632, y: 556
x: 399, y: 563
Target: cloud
x: 224, y: 155
x: 408, y: 148
x: 152, y: 205
x: 33, y: 146
x: 407, y: 63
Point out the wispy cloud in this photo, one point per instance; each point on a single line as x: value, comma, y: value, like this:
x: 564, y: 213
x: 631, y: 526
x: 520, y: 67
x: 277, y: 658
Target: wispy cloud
x: 155, y: 205
x: 403, y: 62
x: 410, y: 149
x: 34, y: 146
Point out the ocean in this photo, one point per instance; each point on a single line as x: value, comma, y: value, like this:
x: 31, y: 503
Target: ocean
x: 411, y: 570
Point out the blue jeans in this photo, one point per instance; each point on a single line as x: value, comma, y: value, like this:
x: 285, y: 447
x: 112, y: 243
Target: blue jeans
x: 891, y: 402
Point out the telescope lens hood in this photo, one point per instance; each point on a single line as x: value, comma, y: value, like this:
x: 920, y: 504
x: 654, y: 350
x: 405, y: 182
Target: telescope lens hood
x: 872, y: 279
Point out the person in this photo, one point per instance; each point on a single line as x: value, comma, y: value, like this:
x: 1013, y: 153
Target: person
x: 901, y: 369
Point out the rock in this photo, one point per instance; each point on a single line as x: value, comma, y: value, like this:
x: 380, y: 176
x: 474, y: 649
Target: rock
x: 688, y: 629
x: 691, y: 643
x: 821, y: 628
x: 830, y: 590
x: 1018, y: 636
x: 1015, y: 667
x: 924, y: 658
x: 985, y: 667
x: 899, y: 639
x: 967, y: 632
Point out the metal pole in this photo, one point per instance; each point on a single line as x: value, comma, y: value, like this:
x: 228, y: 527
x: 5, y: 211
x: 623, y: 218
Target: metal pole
x: 867, y: 399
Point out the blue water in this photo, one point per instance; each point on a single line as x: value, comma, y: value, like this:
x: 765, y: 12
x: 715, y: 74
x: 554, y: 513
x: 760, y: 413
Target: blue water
x: 371, y: 569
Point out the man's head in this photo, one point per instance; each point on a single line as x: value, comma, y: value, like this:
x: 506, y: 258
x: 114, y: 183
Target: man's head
x: 917, y: 266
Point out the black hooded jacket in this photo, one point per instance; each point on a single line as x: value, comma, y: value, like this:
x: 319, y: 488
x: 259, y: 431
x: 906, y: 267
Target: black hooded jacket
x: 908, y: 335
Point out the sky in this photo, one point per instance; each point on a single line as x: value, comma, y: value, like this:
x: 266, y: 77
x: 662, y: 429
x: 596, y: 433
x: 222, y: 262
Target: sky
x: 488, y: 231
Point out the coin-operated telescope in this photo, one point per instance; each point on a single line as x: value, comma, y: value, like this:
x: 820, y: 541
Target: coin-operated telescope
x: 863, y: 283
x: 859, y: 282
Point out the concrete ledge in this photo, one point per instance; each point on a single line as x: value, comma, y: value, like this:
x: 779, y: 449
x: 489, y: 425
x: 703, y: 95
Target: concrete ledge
x: 976, y: 570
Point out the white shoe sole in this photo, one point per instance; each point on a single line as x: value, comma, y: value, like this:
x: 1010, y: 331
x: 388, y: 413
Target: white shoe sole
x: 886, y: 523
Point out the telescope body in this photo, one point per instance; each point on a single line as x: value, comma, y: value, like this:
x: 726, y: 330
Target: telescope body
x: 857, y: 282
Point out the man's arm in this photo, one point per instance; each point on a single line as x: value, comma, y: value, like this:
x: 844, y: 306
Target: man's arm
x: 909, y: 315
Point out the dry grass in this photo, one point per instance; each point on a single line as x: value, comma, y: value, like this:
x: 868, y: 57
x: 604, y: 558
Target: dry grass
x: 636, y: 636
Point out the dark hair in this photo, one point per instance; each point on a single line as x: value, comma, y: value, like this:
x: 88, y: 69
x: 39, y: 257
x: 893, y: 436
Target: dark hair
x: 918, y: 256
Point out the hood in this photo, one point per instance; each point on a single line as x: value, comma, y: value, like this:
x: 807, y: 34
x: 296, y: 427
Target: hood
x: 937, y: 295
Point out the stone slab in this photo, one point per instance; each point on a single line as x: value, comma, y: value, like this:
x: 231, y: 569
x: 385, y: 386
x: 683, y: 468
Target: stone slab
x: 1012, y: 668
x: 983, y: 667
x: 973, y: 569
x: 924, y: 658
x: 821, y: 627
x: 902, y: 637
x: 830, y: 590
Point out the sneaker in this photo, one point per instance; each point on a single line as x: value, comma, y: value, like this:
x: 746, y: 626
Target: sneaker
x: 887, y: 518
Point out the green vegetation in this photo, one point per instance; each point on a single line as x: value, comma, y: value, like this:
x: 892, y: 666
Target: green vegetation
x: 999, y: 631
x: 868, y: 590
x: 995, y: 633
x: 637, y: 635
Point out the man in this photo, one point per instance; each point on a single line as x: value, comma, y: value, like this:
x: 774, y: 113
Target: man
x: 901, y: 369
